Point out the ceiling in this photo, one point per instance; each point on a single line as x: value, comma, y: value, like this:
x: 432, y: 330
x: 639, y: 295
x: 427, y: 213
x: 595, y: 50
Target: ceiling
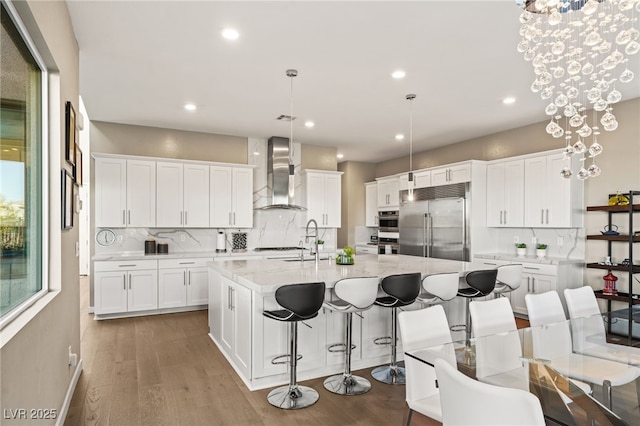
x: 141, y: 61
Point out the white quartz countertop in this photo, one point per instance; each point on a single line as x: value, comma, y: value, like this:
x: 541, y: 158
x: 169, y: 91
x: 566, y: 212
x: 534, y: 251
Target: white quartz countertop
x: 266, y: 275
x: 512, y: 257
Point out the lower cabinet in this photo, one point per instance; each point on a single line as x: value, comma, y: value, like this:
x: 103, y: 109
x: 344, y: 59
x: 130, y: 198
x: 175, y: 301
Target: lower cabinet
x: 125, y: 286
x: 235, y: 323
x: 183, y: 282
x: 535, y: 279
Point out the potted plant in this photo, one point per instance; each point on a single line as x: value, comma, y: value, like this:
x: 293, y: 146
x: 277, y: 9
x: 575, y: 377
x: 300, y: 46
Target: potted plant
x: 346, y: 258
x: 320, y: 244
x: 521, y: 249
x: 541, y: 250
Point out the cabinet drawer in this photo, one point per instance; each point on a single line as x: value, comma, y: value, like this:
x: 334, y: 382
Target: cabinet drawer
x: 124, y: 265
x: 184, y: 263
x: 535, y: 268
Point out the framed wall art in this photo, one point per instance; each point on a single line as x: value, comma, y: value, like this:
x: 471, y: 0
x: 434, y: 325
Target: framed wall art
x: 67, y: 200
x: 70, y: 134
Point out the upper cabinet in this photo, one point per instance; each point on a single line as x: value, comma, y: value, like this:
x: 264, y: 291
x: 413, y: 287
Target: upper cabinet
x: 231, y: 201
x: 182, y: 195
x: 371, y: 204
x: 125, y: 192
x: 388, y: 196
x: 551, y: 201
x: 505, y: 194
x: 323, y: 191
x: 451, y: 174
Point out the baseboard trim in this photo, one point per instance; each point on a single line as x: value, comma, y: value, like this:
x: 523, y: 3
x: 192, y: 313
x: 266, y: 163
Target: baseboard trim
x: 62, y: 415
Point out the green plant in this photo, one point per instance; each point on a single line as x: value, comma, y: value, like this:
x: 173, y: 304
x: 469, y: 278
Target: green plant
x: 521, y: 245
x: 541, y: 246
x: 348, y: 251
x: 320, y: 241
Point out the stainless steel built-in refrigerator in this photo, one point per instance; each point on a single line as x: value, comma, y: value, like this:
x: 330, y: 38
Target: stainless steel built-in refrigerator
x: 436, y: 223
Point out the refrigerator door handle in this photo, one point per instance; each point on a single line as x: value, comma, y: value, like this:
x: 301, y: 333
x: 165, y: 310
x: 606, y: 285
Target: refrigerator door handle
x: 464, y: 228
x: 424, y: 235
x: 429, y: 234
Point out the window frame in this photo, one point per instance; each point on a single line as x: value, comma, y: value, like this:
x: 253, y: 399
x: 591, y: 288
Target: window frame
x: 44, y: 163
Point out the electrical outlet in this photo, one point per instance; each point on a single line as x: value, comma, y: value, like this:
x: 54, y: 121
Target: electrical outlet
x: 534, y: 240
x: 73, y: 358
x: 77, y: 249
x: 516, y: 239
x: 560, y: 241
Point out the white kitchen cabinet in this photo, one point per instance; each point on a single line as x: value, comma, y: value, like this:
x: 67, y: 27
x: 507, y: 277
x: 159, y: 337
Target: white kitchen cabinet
x: 456, y: 173
x: 182, y: 195
x: 388, y: 193
x: 505, y: 194
x: 323, y: 197
x: 236, y: 323
x: 551, y: 201
x: 183, y: 282
x: 231, y: 200
x: 125, y: 192
x: 536, y: 278
x: 371, y: 204
x: 129, y: 286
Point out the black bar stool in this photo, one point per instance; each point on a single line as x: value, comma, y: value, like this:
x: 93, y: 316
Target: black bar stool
x: 479, y: 284
x: 300, y: 302
x: 401, y: 290
x: 355, y: 295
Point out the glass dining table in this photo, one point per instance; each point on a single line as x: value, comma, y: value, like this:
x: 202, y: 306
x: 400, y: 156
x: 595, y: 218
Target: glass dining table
x: 507, y: 359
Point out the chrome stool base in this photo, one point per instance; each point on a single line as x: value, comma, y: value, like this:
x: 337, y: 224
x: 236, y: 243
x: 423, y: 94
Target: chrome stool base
x: 347, y: 385
x: 389, y: 375
x: 292, y: 398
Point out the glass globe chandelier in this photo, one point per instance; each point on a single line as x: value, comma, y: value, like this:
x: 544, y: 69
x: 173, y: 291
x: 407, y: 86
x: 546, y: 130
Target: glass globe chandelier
x: 579, y: 51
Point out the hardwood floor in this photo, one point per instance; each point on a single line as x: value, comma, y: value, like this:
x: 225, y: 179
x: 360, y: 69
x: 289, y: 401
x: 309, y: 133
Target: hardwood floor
x: 165, y: 370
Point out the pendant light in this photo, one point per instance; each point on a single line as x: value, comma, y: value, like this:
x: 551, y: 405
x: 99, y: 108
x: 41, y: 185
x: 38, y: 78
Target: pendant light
x: 291, y: 73
x: 410, y: 98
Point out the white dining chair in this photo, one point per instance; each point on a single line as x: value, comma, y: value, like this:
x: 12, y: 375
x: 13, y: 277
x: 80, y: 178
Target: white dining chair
x: 424, y: 328
x: 589, y: 334
x: 551, y: 336
x: 499, y: 348
x: 469, y: 402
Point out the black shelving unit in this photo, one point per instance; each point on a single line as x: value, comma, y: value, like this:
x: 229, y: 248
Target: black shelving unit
x: 630, y: 298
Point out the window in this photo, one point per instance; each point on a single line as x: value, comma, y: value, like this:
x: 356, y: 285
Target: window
x: 21, y: 161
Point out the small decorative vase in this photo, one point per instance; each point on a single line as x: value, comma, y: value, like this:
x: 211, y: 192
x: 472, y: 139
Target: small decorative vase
x: 521, y: 252
x: 541, y: 253
x: 320, y: 247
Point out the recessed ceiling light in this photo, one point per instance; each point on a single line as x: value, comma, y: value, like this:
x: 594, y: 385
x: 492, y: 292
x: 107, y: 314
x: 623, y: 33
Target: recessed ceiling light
x: 309, y: 123
x: 508, y: 100
x: 397, y: 74
x: 190, y: 107
x: 399, y: 137
x: 340, y: 156
x: 230, y: 34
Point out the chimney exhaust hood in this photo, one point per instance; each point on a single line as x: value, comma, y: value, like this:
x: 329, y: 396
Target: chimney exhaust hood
x: 279, y: 175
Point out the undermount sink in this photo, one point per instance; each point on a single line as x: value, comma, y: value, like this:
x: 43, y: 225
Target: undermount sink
x: 306, y: 259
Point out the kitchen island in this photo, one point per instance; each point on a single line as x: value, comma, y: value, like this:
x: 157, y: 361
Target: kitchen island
x: 240, y: 290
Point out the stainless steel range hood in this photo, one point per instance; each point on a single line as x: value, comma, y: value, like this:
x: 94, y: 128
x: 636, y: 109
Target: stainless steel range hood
x: 279, y: 176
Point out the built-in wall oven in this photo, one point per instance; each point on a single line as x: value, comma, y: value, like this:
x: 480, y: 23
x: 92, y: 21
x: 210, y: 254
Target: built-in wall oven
x: 389, y: 221
x: 388, y: 242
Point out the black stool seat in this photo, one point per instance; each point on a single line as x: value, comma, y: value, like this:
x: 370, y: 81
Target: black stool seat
x: 480, y: 283
x: 400, y: 290
x: 300, y: 302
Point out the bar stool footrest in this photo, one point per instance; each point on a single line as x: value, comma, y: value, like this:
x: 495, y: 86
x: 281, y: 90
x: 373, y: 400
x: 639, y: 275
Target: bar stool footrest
x: 339, y: 347
x: 382, y: 340
x: 275, y: 361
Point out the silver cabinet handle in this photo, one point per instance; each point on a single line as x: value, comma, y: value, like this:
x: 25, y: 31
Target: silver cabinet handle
x: 229, y: 298
x: 533, y: 284
x: 184, y: 277
x: 234, y: 218
x: 129, y: 281
x: 505, y: 217
x: 547, y: 216
x: 124, y: 218
x: 541, y: 216
x: 127, y: 266
x: 500, y: 217
x: 189, y: 277
x: 231, y: 306
x: 528, y: 284
x: 229, y: 218
x: 531, y: 268
x: 124, y: 282
x: 185, y: 217
x: 187, y: 263
x: 128, y: 217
